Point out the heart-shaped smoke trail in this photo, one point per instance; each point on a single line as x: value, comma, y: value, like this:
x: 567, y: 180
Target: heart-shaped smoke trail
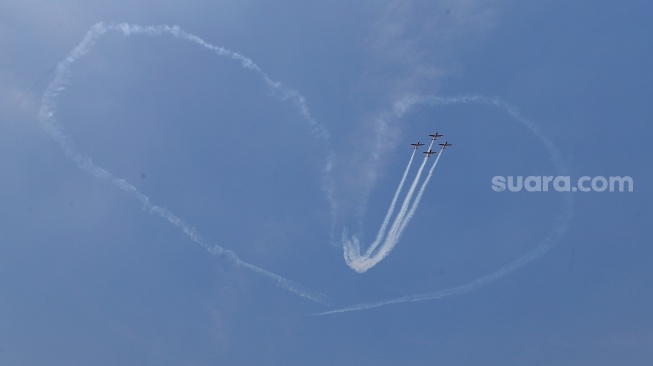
x: 379, y: 249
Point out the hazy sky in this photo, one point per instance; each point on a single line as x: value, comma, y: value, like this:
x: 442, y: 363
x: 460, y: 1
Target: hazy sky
x: 275, y: 135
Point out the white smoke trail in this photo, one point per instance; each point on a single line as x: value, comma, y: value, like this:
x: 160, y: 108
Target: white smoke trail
x: 542, y: 248
x: 404, y: 207
x: 405, y: 104
x: 399, y: 221
x: 551, y: 241
x: 411, y: 213
x: 402, y: 221
x: 389, y: 242
x: 47, y: 119
x: 351, y: 246
x: 388, y: 215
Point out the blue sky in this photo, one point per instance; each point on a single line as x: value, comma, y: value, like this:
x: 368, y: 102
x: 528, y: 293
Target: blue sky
x: 274, y: 171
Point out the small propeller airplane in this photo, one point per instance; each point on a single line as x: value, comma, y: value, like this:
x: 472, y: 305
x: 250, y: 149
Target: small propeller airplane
x: 444, y: 146
x: 430, y: 152
x: 433, y: 137
x: 417, y: 145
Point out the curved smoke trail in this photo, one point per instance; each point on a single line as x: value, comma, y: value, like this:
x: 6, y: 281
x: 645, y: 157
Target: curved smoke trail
x: 351, y: 246
x: 49, y: 123
x: 557, y: 232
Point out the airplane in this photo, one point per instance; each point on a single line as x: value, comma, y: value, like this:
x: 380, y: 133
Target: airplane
x: 428, y: 153
x: 433, y: 137
x: 417, y: 145
x: 444, y: 146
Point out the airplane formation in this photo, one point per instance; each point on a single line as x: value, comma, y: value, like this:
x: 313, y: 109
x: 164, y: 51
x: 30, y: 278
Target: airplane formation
x: 433, y: 138
x: 392, y: 229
